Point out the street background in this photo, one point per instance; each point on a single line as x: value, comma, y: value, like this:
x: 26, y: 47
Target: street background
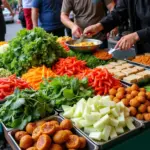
x: 12, y: 28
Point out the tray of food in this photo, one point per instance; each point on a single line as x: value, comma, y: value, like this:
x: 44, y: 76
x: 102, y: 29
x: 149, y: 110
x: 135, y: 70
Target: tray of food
x: 86, y: 46
x: 51, y: 133
x: 126, y: 72
x: 141, y: 60
x: 102, y: 120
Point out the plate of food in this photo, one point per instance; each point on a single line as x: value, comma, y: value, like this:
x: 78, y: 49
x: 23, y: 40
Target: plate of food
x: 85, y: 46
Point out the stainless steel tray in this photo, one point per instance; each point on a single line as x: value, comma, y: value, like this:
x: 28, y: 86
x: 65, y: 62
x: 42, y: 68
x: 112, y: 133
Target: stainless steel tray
x: 146, y: 124
x: 104, y: 145
x: 6, y: 129
x: 138, y: 64
x: 89, y: 146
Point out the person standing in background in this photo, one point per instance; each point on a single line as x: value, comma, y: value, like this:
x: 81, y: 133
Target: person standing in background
x: 2, y: 22
x: 48, y: 14
x: 26, y: 5
x: 86, y: 13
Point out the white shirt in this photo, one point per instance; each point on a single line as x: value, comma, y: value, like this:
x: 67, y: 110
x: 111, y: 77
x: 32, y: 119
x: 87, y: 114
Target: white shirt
x: 27, y: 3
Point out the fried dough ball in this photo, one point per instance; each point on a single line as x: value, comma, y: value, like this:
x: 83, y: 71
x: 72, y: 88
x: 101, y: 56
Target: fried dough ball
x: 60, y: 137
x: 125, y: 101
x: 48, y: 128
x: 54, y: 122
x: 120, y: 95
x: 55, y: 147
x: 111, y: 97
x: 134, y: 87
x: 142, y: 90
x: 140, y: 116
x: 147, y: 116
x: 141, y: 99
x: 26, y: 142
x: 20, y: 134
x: 82, y: 142
x: 148, y: 95
x: 128, y: 90
x: 73, y: 142
x: 32, y: 148
x: 148, y: 109
x: 39, y: 123
x: 121, y: 89
x: 30, y: 127
x: 66, y: 124
x: 129, y: 96
x: 36, y: 133
x: 147, y: 103
x: 134, y: 102
x: 134, y: 93
x: 68, y: 132
x: 116, y: 100
x: 142, y: 108
x: 57, y: 127
x: 43, y: 142
x: 142, y: 94
x: 133, y: 111
x: 112, y: 92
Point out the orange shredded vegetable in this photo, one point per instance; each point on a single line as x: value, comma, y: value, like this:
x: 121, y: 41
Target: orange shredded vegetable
x: 103, y: 55
x: 35, y: 76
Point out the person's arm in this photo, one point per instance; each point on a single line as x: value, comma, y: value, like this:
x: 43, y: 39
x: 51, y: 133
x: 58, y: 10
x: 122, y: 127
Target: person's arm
x: 35, y: 16
x: 6, y: 4
x: 20, y: 5
x: 66, y: 9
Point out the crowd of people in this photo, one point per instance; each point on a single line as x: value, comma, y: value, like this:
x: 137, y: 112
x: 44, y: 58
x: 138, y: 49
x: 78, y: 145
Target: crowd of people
x: 93, y: 18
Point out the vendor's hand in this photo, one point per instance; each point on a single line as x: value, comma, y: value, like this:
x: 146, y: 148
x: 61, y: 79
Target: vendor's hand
x: 76, y: 31
x: 93, y: 29
x: 127, y: 41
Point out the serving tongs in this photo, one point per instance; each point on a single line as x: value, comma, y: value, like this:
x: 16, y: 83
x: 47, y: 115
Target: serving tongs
x: 80, y: 39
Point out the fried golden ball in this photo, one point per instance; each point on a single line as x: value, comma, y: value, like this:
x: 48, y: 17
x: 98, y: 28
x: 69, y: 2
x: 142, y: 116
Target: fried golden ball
x: 134, y: 102
x: 55, y: 147
x: 60, y: 137
x: 148, y: 95
x: 20, y: 134
x: 147, y: 103
x: 73, y: 142
x: 142, y: 90
x: 68, y: 132
x: 140, y: 116
x: 66, y: 124
x: 39, y: 123
x: 129, y: 96
x: 120, y: 95
x: 26, y: 142
x: 121, y: 89
x: 125, y: 101
x: 112, y: 92
x: 128, y: 90
x: 141, y: 99
x: 134, y: 93
x: 32, y: 148
x: 82, y: 142
x: 142, y: 94
x: 111, y: 97
x: 135, y: 87
x: 30, y: 127
x: 142, y: 108
x: 133, y: 111
x: 116, y: 100
x: 147, y: 116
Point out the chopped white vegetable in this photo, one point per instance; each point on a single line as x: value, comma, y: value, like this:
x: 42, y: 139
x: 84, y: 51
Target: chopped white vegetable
x: 106, y: 133
x: 113, y: 133
x: 105, y: 111
x: 129, y: 123
x: 95, y: 135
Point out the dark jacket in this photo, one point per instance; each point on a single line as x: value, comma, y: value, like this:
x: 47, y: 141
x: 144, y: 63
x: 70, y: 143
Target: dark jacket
x: 138, y: 12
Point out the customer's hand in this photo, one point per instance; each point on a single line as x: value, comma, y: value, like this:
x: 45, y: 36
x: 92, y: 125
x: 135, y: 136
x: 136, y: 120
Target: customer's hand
x: 76, y: 31
x: 93, y: 29
x: 127, y: 41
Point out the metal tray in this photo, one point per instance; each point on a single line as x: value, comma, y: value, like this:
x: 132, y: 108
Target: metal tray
x: 138, y: 64
x: 105, y: 145
x: 146, y: 124
x: 6, y: 129
x: 89, y: 146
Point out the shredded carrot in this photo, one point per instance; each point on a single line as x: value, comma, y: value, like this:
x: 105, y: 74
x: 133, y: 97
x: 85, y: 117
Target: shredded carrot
x: 35, y: 76
x: 103, y: 55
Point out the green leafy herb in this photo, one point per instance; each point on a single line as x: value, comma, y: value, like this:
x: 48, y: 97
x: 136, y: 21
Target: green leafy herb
x: 24, y: 106
x: 66, y: 90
